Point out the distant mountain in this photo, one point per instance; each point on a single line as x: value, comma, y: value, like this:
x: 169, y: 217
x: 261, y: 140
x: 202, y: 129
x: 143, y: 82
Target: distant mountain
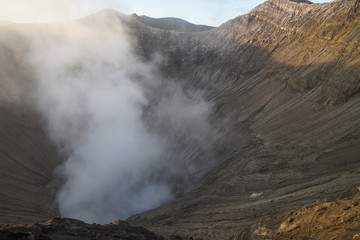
x: 168, y: 23
x: 175, y: 24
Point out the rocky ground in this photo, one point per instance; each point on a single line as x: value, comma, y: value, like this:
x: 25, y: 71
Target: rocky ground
x: 329, y: 220
x: 321, y: 220
x: 71, y: 229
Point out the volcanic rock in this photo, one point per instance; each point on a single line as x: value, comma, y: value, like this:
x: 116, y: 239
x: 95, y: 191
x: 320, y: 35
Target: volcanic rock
x: 67, y: 229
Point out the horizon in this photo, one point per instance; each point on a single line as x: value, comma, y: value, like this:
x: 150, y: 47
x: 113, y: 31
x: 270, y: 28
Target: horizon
x: 215, y: 12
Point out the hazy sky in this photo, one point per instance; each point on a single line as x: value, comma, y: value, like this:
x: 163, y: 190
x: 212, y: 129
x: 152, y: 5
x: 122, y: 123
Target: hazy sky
x: 210, y: 12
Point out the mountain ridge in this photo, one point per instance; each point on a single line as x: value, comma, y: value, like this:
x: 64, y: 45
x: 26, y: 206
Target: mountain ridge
x: 165, y: 23
x: 168, y: 23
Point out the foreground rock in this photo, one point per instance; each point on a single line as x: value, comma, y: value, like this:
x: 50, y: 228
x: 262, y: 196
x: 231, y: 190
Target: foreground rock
x: 331, y: 220
x: 70, y: 229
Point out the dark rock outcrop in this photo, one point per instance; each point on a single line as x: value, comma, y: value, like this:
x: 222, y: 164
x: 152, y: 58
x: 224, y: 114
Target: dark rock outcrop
x: 67, y: 229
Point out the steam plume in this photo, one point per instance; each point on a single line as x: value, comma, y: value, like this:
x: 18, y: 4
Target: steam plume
x: 89, y: 87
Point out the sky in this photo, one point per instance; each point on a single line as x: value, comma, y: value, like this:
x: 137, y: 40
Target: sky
x: 208, y: 12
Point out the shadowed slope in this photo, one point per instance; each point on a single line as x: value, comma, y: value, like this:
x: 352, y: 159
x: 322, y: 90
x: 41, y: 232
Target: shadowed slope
x: 27, y: 164
x: 27, y: 157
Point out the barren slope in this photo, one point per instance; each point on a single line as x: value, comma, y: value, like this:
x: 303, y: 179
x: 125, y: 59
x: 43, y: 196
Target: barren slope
x: 285, y: 78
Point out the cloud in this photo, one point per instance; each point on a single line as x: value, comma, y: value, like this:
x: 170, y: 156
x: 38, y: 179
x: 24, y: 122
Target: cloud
x: 54, y: 11
x: 34, y: 11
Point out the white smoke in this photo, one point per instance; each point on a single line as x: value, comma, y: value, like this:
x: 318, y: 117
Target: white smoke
x: 93, y: 109
x: 119, y: 125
